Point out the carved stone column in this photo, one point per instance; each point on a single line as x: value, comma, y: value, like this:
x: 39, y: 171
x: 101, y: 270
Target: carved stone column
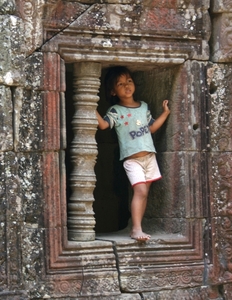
x: 81, y: 220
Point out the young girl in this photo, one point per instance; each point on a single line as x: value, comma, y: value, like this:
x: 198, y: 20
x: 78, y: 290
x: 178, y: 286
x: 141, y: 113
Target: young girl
x: 133, y: 124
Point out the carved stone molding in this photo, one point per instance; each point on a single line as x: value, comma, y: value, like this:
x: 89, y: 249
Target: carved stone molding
x: 118, y: 34
x: 219, y: 78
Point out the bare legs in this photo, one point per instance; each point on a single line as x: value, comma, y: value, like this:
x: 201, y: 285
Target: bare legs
x: 138, y: 207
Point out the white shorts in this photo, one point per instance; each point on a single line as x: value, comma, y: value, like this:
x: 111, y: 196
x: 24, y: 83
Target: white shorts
x: 142, y: 169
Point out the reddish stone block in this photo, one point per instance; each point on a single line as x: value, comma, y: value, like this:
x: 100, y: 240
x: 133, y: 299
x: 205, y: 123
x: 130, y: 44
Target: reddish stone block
x: 60, y: 14
x: 51, y: 120
x: 51, y: 75
x: 172, y: 16
x: 177, y: 17
x: 51, y: 189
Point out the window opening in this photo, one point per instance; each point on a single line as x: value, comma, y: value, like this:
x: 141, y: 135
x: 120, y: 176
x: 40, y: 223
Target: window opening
x: 112, y: 193
x: 69, y: 132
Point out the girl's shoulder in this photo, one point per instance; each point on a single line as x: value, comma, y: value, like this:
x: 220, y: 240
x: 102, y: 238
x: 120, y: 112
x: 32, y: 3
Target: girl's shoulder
x: 143, y: 103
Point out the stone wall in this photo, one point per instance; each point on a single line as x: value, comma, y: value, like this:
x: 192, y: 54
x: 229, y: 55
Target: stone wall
x: 50, y: 247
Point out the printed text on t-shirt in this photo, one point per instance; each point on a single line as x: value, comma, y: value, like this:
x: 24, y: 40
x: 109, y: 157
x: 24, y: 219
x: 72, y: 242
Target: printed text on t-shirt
x: 142, y: 130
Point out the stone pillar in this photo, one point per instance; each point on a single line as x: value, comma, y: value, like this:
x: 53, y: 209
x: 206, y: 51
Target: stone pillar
x: 81, y: 220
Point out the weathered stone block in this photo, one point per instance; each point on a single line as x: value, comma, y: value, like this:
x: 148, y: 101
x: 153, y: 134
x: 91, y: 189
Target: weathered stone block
x: 221, y: 39
x: 37, y: 120
x: 33, y: 265
x: 11, y: 203
x: 220, y: 90
x: 172, y: 15
x: 14, y: 203
x: 221, y: 184
x: 31, y: 188
x: 144, y: 279
x: 12, y: 50
x: 45, y: 71
x: 59, y: 14
x: 31, y: 13
x: 186, y: 128
x: 222, y: 270
x: 3, y: 255
x: 6, y: 119
x: 227, y: 291
x: 14, y: 261
x: 10, y: 226
x: 34, y: 71
x: 29, y: 120
x: 200, y: 293
x: 7, y: 7
x: 185, y: 88
x: 219, y: 6
x: 2, y: 188
x: 119, y: 28
x: 167, y: 201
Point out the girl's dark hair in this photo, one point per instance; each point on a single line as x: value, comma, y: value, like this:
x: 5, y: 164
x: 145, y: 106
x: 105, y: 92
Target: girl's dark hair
x: 111, y: 78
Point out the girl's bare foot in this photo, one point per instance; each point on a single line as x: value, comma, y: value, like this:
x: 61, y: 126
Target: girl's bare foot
x: 139, y: 235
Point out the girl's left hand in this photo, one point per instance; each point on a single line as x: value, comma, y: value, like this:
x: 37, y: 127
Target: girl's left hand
x: 165, y: 106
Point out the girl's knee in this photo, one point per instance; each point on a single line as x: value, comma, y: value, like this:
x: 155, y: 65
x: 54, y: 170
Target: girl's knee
x: 141, y: 190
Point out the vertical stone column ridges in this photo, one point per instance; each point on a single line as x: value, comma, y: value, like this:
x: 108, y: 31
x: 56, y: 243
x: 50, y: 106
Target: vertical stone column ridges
x: 81, y: 220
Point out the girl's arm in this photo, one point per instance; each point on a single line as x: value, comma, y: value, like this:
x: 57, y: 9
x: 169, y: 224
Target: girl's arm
x: 161, y: 119
x: 102, y: 124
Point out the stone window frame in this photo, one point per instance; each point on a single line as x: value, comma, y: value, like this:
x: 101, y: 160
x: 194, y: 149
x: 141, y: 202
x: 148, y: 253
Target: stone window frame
x: 66, y: 255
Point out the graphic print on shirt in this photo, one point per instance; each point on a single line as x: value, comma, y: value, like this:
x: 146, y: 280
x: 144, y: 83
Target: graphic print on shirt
x: 135, y: 133
x: 140, y: 132
x: 133, y: 136
x: 122, y: 117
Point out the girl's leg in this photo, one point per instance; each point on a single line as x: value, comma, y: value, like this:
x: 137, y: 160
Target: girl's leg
x: 138, y: 207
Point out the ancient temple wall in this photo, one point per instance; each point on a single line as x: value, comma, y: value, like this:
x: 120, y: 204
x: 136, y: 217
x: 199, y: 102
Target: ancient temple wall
x: 40, y: 259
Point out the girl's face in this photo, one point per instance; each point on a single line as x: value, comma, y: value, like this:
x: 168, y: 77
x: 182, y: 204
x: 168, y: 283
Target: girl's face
x: 124, y: 87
